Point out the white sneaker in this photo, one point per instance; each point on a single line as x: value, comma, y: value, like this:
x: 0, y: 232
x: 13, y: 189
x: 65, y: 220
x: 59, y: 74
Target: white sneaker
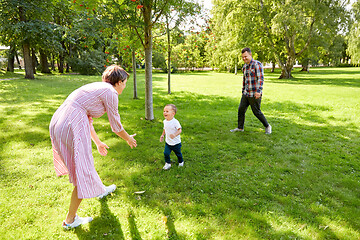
x: 108, y: 190
x: 77, y: 222
x: 167, y: 166
x: 268, y: 129
x: 236, y: 130
x: 181, y: 164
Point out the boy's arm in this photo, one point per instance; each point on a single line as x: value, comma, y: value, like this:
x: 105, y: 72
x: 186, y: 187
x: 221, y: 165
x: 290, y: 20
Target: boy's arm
x: 177, y: 133
x: 162, y: 136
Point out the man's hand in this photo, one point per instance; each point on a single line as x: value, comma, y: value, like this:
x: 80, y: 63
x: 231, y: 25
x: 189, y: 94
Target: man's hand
x: 161, y: 138
x: 257, y: 95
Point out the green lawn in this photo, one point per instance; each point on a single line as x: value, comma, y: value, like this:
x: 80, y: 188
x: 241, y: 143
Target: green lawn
x: 300, y: 182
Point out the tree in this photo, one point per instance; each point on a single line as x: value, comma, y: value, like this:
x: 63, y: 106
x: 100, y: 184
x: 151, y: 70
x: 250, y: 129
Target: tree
x: 353, y: 37
x: 151, y: 11
x: 284, y: 28
x: 21, y: 24
x: 173, y: 18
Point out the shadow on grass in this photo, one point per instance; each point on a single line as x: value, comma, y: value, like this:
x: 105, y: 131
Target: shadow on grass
x: 168, y: 220
x: 268, y: 186
x: 106, y: 226
x: 318, y: 76
x: 134, y: 232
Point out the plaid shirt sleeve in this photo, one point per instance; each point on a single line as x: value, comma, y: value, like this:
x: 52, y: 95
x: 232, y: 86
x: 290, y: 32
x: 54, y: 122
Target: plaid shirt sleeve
x: 259, y: 78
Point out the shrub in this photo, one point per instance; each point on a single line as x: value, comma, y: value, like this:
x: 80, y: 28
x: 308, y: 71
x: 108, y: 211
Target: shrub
x: 88, y: 62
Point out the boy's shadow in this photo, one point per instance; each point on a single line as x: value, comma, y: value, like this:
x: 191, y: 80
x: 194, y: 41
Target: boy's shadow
x: 106, y: 226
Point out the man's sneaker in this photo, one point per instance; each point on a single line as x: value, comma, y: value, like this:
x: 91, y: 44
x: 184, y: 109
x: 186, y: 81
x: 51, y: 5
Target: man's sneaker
x: 77, y: 222
x: 236, y: 130
x: 268, y: 129
x: 181, y: 164
x: 108, y: 190
x: 167, y: 166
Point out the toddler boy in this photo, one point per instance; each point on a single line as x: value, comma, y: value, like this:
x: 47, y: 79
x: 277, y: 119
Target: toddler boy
x: 172, y: 130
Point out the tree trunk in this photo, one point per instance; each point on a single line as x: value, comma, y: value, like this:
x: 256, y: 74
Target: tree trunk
x: 44, y: 62
x: 11, y: 58
x: 273, y: 64
x: 61, y: 62
x: 52, y: 62
x: 169, y: 55
x: 287, y: 68
x: 305, y: 68
x: 17, y: 59
x: 29, y: 70
x: 34, y: 60
x: 236, y: 67
x: 149, y: 111
x: 134, y: 74
x: 61, y: 58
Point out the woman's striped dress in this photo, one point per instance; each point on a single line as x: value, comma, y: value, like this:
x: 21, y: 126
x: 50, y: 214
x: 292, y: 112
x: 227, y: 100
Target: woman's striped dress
x: 71, y: 139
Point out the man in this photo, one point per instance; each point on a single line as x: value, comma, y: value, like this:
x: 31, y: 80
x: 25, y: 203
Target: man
x: 253, y: 80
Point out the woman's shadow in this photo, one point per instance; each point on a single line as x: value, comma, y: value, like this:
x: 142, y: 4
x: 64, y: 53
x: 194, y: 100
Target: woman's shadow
x: 106, y: 226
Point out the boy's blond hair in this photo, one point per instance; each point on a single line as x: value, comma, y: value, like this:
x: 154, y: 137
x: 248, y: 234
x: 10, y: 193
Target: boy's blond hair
x: 174, y: 108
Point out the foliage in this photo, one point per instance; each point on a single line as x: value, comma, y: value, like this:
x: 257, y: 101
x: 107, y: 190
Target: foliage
x: 159, y: 61
x: 88, y: 62
x: 354, y: 39
x: 285, y: 29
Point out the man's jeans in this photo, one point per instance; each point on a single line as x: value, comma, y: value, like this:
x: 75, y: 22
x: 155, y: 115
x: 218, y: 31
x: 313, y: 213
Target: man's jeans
x: 177, y: 150
x: 255, y: 107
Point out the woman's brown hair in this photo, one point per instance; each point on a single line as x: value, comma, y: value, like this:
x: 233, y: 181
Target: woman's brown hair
x: 114, y: 74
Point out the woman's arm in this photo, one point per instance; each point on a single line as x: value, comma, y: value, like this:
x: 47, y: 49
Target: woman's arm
x: 102, y: 147
x: 128, y: 138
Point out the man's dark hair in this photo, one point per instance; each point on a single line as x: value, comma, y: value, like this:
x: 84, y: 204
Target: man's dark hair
x: 246, y: 50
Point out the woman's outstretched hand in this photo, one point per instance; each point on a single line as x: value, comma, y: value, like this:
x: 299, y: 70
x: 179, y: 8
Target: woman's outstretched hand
x: 131, y: 141
x: 102, y: 148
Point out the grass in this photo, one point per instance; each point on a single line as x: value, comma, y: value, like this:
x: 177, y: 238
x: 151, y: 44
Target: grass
x: 300, y: 182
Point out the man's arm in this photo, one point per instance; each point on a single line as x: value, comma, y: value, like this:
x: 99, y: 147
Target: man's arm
x: 259, y: 71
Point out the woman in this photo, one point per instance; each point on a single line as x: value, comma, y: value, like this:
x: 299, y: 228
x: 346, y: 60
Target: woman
x: 71, y: 131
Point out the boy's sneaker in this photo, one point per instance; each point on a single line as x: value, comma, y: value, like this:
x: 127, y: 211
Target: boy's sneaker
x: 77, y: 222
x: 268, y: 129
x: 167, y: 166
x: 108, y: 190
x: 181, y: 164
x: 236, y: 130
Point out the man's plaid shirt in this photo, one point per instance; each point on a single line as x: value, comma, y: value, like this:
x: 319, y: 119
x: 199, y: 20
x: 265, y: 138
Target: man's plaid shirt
x: 253, y: 78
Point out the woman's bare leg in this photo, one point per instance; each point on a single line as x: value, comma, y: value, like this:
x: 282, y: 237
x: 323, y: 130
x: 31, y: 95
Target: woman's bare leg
x: 74, y: 205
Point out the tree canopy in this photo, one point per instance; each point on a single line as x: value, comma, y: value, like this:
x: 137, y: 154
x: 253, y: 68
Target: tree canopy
x: 285, y: 29
x: 354, y: 35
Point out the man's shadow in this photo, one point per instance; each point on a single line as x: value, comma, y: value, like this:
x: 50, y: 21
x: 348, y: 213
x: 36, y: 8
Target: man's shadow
x: 134, y: 232
x: 169, y: 219
x: 106, y: 226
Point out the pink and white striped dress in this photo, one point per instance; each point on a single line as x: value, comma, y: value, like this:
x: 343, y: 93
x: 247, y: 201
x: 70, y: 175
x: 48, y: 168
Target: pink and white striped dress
x: 71, y: 139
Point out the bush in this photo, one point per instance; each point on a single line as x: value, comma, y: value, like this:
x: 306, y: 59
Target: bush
x: 158, y: 61
x: 88, y: 63
x: 346, y: 65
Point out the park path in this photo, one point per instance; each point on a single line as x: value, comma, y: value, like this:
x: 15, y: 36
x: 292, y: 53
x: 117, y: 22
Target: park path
x: 7, y: 79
